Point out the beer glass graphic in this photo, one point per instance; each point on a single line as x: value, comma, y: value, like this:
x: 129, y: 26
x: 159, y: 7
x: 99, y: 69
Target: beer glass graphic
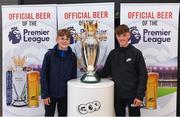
x: 152, y: 90
x: 33, y: 88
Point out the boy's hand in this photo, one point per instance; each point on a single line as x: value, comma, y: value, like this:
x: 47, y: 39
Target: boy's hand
x: 47, y: 101
x: 137, y: 102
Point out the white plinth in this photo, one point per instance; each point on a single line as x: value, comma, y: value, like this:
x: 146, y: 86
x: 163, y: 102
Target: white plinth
x: 90, y: 99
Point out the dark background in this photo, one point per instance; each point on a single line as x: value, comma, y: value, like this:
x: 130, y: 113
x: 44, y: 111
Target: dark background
x: 117, y: 21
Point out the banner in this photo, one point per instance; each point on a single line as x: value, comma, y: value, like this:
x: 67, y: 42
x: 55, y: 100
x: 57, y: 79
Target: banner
x: 28, y: 32
x: 96, y: 19
x: 154, y: 30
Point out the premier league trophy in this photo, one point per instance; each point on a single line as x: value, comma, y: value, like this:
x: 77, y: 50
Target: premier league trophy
x: 19, y: 83
x: 90, y: 51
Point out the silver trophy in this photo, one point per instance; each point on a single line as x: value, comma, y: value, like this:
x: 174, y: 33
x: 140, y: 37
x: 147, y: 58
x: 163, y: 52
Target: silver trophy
x: 90, y: 51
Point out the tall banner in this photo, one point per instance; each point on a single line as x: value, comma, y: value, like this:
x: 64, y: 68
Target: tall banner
x: 154, y: 31
x: 28, y: 32
x: 89, y: 23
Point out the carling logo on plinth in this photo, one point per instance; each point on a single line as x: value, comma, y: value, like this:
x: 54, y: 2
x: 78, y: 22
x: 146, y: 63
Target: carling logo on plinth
x: 90, y: 107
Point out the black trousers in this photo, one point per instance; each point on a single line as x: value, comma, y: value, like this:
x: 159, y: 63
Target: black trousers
x: 61, y: 107
x: 120, y: 107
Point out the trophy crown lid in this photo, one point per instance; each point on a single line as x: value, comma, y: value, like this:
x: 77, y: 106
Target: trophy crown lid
x: 19, y: 61
x: 90, y: 27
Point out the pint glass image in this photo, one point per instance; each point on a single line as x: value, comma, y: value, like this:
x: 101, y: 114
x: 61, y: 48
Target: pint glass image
x: 33, y: 88
x: 152, y: 90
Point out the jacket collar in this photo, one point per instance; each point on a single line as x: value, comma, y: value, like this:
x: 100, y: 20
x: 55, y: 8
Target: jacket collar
x: 62, y: 53
x: 125, y: 48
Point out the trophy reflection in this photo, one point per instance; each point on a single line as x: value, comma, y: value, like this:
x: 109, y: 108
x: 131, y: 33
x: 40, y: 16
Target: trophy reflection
x: 90, y: 51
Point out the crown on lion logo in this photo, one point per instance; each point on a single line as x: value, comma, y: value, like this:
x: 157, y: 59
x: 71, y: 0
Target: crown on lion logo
x: 14, y: 28
x: 133, y: 27
x: 19, y: 61
x: 90, y: 27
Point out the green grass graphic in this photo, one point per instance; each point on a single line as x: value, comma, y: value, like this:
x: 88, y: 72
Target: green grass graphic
x: 162, y: 91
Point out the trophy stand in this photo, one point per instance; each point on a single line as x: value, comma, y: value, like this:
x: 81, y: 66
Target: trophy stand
x: 95, y: 99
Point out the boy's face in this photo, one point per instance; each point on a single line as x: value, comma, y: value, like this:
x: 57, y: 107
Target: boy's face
x: 123, y: 39
x: 63, y: 42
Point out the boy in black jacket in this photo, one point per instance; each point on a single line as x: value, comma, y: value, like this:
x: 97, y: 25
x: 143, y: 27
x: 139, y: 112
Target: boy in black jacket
x: 127, y: 67
x: 59, y: 66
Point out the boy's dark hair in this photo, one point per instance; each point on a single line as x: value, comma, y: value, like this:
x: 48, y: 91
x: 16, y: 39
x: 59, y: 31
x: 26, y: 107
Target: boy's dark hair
x: 121, y: 29
x: 63, y: 32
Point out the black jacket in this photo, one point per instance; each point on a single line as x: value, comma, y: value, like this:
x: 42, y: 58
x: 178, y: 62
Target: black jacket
x: 56, y: 71
x: 128, y: 70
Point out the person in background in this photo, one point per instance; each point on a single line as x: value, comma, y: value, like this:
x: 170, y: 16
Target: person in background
x: 59, y: 66
x: 127, y: 67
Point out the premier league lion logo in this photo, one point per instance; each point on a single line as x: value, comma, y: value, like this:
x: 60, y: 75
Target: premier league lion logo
x: 73, y: 34
x: 14, y: 35
x: 135, y: 35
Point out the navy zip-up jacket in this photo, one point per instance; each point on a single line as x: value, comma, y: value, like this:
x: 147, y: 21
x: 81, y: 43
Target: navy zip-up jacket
x: 58, y: 67
x: 128, y: 70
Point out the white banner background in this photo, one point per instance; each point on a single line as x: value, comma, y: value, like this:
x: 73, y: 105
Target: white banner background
x: 159, y: 48
x: 27, y: 18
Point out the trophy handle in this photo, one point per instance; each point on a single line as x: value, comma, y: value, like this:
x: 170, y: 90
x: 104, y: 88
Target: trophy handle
x: 79, y: 58
x: 102, y: 58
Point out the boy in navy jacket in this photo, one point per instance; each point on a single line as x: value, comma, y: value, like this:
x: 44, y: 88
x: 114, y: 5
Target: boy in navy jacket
x: 59, y: 66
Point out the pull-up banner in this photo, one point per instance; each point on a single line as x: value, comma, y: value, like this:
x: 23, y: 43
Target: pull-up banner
x: 28, y: 32
x: 154, y: 30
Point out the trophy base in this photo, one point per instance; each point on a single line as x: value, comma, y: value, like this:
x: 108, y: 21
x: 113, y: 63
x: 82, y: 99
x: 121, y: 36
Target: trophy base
x: 90, y: 78
x: 19, y: 103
